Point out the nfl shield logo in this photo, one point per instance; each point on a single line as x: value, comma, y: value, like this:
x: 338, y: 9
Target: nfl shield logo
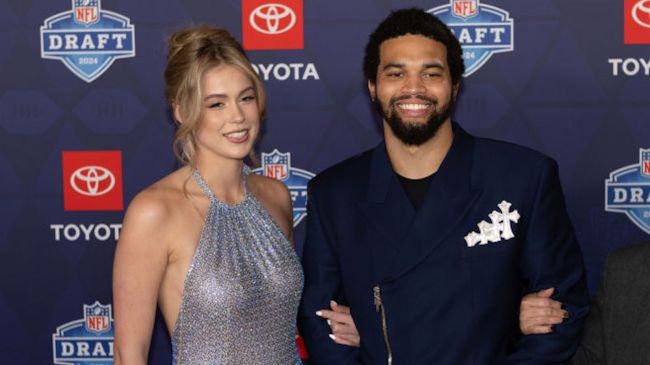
x: 464, y: 8
x: 644, y: 160
x: 97, y: 317
x: 276, y: 164
x: 86, y: 12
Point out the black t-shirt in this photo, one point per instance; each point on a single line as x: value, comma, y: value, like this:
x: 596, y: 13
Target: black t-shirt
x: 416, y: 189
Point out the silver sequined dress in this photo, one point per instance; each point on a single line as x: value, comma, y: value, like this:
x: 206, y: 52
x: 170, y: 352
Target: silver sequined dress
x: 242, y: 290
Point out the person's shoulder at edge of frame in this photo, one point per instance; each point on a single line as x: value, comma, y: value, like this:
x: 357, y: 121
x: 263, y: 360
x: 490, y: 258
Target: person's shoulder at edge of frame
x: 340, y: 172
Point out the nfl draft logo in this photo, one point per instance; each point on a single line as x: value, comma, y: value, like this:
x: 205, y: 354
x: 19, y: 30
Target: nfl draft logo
x: 628, y: 191
x: 482, y: 30
x: 86, y: 341
x: 87, y: 39
x: 278, y: 166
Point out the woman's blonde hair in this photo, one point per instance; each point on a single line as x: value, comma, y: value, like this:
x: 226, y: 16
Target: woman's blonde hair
x: 192, y: 52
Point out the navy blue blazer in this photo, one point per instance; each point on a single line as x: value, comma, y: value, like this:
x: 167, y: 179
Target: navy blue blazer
x: 450, y: 296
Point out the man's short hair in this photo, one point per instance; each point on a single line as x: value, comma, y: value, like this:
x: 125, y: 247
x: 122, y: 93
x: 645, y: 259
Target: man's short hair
x: 417, y: 22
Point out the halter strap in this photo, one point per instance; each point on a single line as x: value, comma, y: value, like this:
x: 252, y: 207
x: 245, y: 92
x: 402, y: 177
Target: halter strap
x: 206, y: 189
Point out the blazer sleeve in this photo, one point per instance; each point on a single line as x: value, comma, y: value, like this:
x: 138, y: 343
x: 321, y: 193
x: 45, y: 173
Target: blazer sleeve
x: 322, y: 284
x: 551, y: 257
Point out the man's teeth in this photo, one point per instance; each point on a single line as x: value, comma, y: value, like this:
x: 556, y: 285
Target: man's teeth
x: 236, y: 134
x: 413, y: 106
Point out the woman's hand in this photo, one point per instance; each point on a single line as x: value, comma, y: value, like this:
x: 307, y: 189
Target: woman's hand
x: 340, y: 320
x: 538, y: 313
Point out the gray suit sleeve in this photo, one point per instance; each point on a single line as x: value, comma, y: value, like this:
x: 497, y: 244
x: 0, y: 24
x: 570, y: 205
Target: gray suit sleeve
x: 617, y: 329
x: 591, y: 350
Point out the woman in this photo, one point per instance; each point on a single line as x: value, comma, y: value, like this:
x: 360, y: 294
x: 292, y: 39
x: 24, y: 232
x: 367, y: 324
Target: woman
x: 210, y: 242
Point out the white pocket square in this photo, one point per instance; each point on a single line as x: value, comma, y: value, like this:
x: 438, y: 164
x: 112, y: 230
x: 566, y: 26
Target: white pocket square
x: 497, y: 230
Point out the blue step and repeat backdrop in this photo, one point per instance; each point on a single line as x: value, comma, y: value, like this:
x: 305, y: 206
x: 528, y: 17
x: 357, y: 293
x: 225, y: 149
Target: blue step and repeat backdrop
x: 84, y: 127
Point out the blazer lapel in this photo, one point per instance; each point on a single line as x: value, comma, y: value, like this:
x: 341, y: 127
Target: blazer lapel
x: 449, y: 198
x: 386, y: 207
x: 387, y: 213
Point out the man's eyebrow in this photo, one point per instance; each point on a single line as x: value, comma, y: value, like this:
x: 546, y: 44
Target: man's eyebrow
x: 434, y: 64
x: 393, y: 64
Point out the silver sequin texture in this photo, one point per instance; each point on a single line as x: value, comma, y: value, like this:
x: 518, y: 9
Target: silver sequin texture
x: 242, y: 290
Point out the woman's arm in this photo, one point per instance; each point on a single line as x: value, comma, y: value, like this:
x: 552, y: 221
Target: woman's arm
x: 138, y: 268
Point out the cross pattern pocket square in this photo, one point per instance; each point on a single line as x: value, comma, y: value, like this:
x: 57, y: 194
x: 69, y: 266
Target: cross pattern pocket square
x: 499, y: 228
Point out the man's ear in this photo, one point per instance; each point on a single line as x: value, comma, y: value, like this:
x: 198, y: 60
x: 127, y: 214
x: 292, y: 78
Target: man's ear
x: 372, y: 88
x: 454, y: 90
x: 177, y: 113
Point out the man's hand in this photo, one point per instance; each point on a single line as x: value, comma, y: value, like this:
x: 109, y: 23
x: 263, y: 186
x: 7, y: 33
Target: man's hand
x: 344, y: 331
x: 538, y: 313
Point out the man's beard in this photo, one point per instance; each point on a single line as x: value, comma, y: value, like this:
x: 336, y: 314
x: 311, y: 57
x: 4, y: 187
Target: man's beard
x: 412, y: 133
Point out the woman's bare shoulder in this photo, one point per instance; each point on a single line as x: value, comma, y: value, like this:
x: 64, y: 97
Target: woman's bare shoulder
x: 156, y: 204
x: 270, y: 190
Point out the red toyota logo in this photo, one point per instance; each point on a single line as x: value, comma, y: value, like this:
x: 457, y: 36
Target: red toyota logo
x: 272, y: 18
x: 272, y: 24
x: 92, y: 180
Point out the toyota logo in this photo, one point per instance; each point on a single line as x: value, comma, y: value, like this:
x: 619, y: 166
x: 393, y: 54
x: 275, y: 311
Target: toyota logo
x: 272, y: 18
x: 92, y: 180
x: 641, y: 13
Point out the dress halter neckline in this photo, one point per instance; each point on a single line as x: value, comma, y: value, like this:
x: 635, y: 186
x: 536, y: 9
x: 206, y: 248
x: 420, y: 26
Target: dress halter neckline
x: 213, y: 197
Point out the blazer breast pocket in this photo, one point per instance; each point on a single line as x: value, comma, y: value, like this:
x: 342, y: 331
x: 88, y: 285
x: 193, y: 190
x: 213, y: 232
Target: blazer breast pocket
x: 503, y: 247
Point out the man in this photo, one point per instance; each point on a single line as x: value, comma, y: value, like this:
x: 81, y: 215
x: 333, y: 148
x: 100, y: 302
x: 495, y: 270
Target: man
x: 617, y: 330
x: 433, y: 236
